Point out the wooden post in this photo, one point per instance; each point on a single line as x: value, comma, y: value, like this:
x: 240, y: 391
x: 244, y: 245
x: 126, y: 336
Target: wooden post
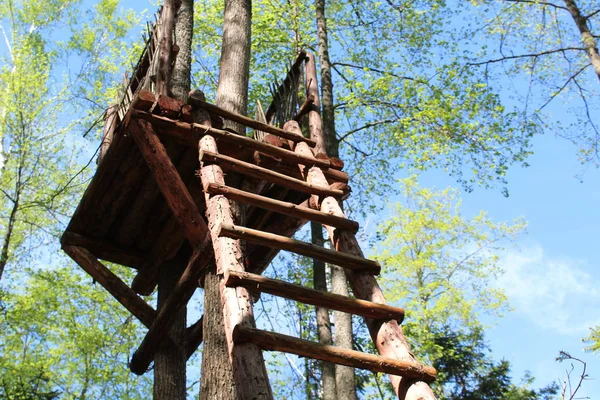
x: 387, y: 335
x: 110, y: 125
x: 165, y: 62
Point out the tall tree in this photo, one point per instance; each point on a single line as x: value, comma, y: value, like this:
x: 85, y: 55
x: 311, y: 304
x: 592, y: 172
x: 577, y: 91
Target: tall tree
x: 170, y: 359
x: 344, y: 376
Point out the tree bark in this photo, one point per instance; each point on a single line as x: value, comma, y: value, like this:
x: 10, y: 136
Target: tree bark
x: 170, y: 359
x: 216, y: 382
x: 345, y: 383
x: 586, y: 36
x: 184, y: 29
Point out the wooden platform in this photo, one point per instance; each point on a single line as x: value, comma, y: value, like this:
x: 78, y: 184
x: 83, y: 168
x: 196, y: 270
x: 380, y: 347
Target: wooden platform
x: 123, y: 218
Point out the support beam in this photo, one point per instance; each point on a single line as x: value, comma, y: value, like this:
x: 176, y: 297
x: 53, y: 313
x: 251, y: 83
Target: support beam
x: 112, y: 283
x: 344, y: 260
x: 189, y: 134
x: 277, y: 342
x: 282, y: 207
x: 260, y: 126
x: 314, y: 297
x: 170, y: 183
x: 183, y: 291
x: 254, y: 171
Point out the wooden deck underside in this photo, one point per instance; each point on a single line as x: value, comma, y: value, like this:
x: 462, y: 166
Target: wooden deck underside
x: 122, y: 216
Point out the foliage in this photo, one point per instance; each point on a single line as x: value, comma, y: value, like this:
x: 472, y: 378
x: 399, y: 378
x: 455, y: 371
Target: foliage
x: 64, y: 336
x: 536, y: 52
x: 593, y: 340
x: 440, y: 265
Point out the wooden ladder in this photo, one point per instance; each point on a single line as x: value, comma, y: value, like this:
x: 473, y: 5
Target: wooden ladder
x: 395, y: 357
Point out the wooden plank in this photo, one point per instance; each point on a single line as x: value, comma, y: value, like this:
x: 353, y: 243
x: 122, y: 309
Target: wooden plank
x: 314, y: 297
x: 277, y: 342
x: 254, y: 171
x: 170, y: 183
x: 103, y: 250
x: 260, y: 126
x: 179, y: 297
x: 115, y: 286
x: 306, y: 249
x: 294, y: 71
x: 190, y: 134
x: 282, y: 207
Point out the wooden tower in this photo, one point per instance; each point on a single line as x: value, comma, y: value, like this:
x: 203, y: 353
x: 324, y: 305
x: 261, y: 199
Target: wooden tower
x: 159, y: 190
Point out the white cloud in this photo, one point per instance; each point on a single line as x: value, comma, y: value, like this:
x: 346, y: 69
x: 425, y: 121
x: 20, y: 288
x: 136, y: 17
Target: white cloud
x: 555, y: 293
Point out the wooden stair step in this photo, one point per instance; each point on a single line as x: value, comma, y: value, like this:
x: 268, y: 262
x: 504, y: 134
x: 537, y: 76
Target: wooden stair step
x: 343, y: 260
x: 278, y: 342
x: 189, y: 134
x: 259, y: 126
x: 282, y: 207
x: 254, y: 171
x: 314, y: 297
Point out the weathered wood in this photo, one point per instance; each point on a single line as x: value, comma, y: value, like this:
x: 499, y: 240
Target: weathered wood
x: 294, y: 71
x: 314, y: 115
x: 387, y: 336
x: 306, y: 249
x: 103, y: 250
x: 168, y: 244
x: 314, y: 297
x: 115, y: 286
x: 282, y: 207
x: 254, y: 171
x: 189, y: 134
x: 332, y: 175
x: 277, y: 342
x: 170, y: 183
x: 110, y: 125
x: 179, y: 297
x: 260, y: 126
x: 304, y: 108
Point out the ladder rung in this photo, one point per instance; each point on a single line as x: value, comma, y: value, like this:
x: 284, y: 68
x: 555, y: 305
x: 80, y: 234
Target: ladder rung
x: 282, y: 207
x: 344, y: 260
x: 278, y: 342
x: 233, y: 164
x: 314, y: 297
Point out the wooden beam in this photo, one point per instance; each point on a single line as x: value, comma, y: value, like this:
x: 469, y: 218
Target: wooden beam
x: 304, y: 108
x: 103, y: 250
x: 112, y: 283
x: 260, y: 126
x: 282, y: 207
x: 347, y: 261
x: 170, y: 183
x: 189, y: 134
x: 333, y: 175
x: 179, y: 297
x: 314, y: 297
x: 277, y: 342
x: 110, y: 126
x: 254, y: 171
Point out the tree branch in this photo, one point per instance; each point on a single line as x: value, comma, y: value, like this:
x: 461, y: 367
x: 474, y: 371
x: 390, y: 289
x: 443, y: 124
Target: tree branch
x: 530, y: 55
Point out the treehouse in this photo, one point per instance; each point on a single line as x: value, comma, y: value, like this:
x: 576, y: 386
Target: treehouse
x: 159, y: 193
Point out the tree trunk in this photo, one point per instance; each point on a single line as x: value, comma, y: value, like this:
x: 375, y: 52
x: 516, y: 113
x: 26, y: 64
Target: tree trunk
x: 345, y: 383
x: 232, y: 95
x: 323, y: 321
x: 586, y: 36
x: 170, y: 360
x: 216, y: 382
